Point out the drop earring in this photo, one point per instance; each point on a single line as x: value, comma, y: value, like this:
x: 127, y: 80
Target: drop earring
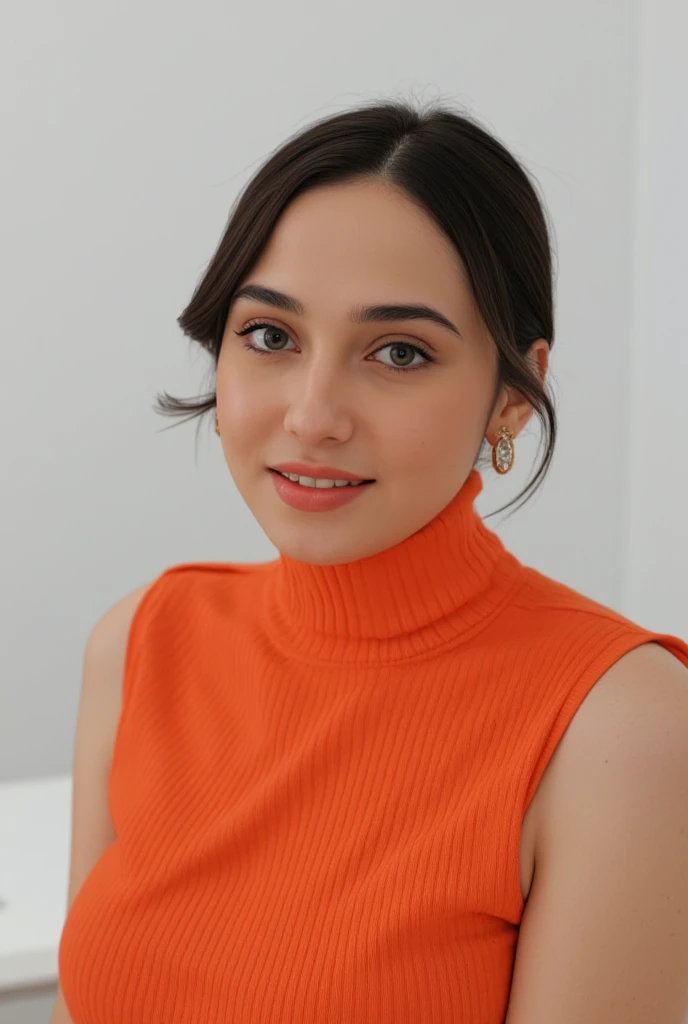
x: 217, y: 425
x: 503, y: 451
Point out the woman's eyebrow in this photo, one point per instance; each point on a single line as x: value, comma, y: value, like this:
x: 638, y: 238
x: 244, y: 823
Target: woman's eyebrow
x: 358, y: 315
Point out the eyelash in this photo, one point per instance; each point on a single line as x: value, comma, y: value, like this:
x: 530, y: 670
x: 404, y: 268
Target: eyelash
x: 399, y: 369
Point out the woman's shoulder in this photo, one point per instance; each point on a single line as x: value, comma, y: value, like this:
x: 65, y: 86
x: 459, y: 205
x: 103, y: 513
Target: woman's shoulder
x: 552, y: 606
x: 539, y: 591
x: 648, y: 685
x: 191, y: 590
x: 214, y: 570
x: 609, y: 830
x: 578, y: 629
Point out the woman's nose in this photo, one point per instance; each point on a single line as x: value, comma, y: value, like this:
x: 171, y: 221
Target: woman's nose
x: 317, y: 409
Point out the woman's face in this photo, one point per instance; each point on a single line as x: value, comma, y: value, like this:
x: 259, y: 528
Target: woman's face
x: 327, y: 390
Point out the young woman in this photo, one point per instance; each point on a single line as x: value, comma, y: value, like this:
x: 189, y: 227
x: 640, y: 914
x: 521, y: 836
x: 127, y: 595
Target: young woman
x: 394, y: 774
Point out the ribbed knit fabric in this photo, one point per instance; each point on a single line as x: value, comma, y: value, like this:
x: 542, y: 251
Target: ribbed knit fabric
x: 318, y: 784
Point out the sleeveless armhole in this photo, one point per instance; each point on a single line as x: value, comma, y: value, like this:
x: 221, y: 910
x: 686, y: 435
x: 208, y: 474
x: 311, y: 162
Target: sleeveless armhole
x: 605, y: 654
x: 137, y: 628
x: 587, y: 677
x: 591, y: 673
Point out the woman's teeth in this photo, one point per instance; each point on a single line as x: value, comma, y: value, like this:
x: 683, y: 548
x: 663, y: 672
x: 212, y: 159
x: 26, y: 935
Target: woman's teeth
x: 312, y: 481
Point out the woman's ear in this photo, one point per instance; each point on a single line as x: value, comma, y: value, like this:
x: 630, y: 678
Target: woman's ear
x: 512, y: 410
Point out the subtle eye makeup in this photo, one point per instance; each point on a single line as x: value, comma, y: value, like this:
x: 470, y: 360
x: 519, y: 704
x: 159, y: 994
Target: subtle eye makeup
x: 414, y: 347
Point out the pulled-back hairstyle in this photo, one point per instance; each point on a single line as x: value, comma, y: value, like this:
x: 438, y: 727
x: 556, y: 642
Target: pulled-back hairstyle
x: 466, y: 180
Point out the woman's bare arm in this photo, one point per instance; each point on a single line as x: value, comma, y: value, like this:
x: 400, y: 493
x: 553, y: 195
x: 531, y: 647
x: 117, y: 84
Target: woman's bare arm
x: 98, y: 716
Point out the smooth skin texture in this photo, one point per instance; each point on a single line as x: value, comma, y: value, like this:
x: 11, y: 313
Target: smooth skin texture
x: 328, y: 392
x: 604, y: 935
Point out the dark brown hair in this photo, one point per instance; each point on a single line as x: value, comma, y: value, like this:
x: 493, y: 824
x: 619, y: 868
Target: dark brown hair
x: 465, y: 179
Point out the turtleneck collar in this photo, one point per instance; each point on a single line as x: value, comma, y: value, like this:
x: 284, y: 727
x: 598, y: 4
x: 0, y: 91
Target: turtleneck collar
x: 441, y: 584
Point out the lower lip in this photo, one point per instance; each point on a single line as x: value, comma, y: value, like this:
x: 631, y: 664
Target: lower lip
x: 314, y: 499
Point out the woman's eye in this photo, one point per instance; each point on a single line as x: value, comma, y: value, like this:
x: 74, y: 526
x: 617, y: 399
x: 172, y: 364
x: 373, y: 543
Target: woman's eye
x: 274, y: 338
x: 408, y: 353
x: 270, y: 331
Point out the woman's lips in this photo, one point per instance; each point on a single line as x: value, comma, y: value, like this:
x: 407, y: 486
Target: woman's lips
x: 315, y: 499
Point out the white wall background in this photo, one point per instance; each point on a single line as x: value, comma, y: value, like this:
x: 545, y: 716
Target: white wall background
x: 655, y: 580
x: 127, y: 131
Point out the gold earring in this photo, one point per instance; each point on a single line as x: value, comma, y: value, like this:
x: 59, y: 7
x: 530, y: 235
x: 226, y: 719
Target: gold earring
x: 503, y: 451
x: 217, y: 425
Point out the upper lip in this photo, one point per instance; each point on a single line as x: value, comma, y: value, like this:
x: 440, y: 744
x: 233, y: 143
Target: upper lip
x: 318, y: 472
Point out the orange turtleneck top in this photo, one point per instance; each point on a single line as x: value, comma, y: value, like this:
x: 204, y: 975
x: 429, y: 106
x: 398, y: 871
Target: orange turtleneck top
x: 318, y: 784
